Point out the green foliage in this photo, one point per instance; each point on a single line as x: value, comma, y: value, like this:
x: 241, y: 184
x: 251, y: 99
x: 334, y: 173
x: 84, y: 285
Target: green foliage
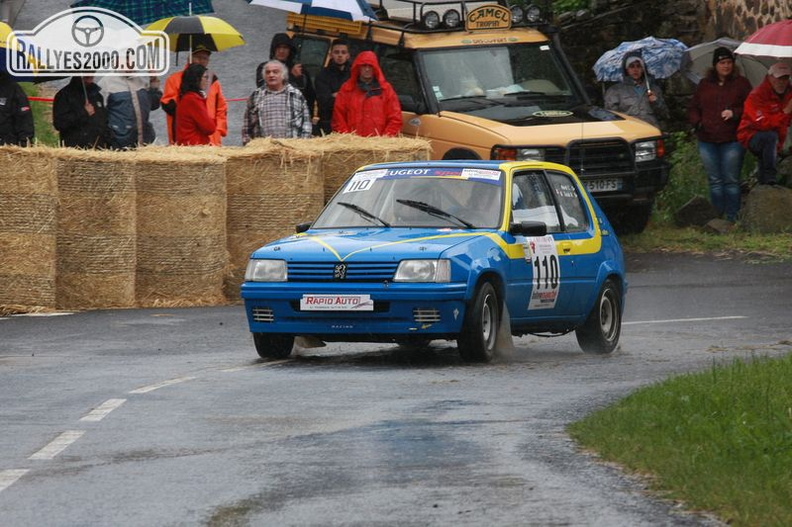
x: 687, y: 178
x: 42, y: 117
x: 719, y: 440
x: 562, y: 6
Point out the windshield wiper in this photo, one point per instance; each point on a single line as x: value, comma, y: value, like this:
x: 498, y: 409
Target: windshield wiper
x: 434, y: 211
x: 363, y: 212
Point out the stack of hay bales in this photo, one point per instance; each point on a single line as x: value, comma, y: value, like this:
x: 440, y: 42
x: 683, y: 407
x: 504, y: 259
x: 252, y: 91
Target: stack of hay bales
x: 96, y: 229
x: 271, y: 188
x: 28, y: 203
x: 181, y: 228
x: 342, y: 154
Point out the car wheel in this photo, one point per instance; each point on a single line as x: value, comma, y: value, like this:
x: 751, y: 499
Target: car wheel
x: 632, y: 220
x: 273, y: 346
x: 479, y: 334
x: 600, y: 333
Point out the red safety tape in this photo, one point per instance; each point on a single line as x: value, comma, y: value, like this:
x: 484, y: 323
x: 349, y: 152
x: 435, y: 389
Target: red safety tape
x: 49, y: 99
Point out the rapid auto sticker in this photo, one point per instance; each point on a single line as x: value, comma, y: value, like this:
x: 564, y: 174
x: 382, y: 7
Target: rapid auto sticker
x: 541, y: 252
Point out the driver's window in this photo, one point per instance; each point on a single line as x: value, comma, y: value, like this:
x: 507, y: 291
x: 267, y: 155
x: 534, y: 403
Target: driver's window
x: 312, y: 53
x: 397, y: 65
x: 532, y: 201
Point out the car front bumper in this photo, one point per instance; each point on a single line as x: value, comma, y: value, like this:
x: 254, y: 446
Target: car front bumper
x: 399, y: 309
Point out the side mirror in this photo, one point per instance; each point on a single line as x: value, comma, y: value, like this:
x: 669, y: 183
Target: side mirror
x: 302, y: 227
x: 528, y: 228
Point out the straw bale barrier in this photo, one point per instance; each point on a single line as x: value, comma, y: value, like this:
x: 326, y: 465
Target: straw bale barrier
x: 270, y: 190
x: 28, y: 205
x: 342, y: 154
x: 181, y: 228
x: 96, y: 229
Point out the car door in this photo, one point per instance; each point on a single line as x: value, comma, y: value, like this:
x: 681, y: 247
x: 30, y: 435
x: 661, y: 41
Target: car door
x: 540, y: 282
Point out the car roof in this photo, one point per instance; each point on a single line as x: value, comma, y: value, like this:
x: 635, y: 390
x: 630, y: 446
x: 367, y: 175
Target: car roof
x: 469, y: 163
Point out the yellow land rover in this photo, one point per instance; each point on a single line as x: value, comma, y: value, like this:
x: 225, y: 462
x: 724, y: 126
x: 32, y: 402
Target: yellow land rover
x: 489, y: 81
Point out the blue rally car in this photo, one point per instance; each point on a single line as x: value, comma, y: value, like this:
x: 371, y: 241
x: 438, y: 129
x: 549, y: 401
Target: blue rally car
x: 416, y: 251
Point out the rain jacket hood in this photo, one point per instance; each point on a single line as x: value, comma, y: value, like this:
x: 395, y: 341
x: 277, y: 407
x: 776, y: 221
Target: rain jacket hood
x: 283, y: 39
x: 366, y: 58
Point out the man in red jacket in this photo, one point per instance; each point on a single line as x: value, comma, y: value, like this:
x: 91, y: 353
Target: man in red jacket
x: 367, y: 104
x: 765, y: 120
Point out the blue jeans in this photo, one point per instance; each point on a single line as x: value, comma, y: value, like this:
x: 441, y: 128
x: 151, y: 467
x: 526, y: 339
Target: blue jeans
x: 723, y: 163
x: 764, y: 146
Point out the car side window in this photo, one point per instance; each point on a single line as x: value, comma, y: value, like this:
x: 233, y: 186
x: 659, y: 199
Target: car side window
x: 569, y: 201
x: 312, y: 53
x: 533, y: 201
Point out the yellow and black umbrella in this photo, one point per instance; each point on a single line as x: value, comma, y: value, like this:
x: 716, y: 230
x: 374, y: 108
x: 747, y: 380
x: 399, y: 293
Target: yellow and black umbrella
x: 191, y: 32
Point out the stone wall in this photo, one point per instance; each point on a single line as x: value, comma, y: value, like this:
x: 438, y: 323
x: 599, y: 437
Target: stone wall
x: 587, y: 34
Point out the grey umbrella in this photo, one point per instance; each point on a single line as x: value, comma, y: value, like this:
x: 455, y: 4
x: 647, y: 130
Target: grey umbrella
x: 698, y: 59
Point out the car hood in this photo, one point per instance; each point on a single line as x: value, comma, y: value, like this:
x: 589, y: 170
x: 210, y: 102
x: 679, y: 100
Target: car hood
x: 368, y: 244
x: 518, y: 124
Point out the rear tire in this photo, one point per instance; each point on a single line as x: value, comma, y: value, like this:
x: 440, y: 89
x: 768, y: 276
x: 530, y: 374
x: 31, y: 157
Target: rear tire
x: 273, y: 346
x: 600, y: 333
x: 479, y: 334
x: 633, y: 219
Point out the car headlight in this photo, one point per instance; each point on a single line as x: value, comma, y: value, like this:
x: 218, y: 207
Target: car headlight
x: 266, y: 271
x: 645, y: 151
x: 423, y: 271
x: 511, y: 153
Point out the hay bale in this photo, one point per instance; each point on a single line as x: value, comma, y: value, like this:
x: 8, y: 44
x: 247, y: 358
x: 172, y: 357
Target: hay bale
x: 96, y: 229
x: 28, y: 205
x: 270, y: 190
x: 181, y: 227
x: 342, y: 154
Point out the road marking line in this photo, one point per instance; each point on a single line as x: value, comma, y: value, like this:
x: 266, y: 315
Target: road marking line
x: 672, y: 320
x: 255, y: 366
x: 8, y: 477
x: 58, y: 445
x: 152, y: 387
x: 101, y: 411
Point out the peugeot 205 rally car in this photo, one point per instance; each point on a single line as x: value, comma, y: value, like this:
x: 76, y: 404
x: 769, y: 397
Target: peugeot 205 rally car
x: 416, y: 251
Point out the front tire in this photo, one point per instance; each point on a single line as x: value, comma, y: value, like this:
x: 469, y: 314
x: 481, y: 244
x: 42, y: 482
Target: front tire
x: 273, y: 346
x: 600, y: 333
x: 479, y: 334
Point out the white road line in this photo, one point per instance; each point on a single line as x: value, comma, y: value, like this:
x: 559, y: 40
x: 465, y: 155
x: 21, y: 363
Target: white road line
x: 58, y: 445
x: 672, y: 320
x: 8, y: 477
x: 255, y: 366
x: 101, y: 411
x: 152, y: 387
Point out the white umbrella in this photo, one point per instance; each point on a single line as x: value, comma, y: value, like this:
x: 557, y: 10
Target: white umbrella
x: 698, y: 59
x: 346, y: 9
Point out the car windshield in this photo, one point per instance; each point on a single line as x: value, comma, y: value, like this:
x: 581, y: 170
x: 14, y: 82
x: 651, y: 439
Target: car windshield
x: 483, y: 80
x: 453, y: 198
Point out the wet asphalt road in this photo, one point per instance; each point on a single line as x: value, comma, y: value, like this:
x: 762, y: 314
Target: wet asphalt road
x: 166, y: 417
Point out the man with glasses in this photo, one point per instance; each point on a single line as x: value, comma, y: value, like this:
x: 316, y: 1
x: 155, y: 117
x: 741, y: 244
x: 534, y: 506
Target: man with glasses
x: 638, y: 94
x: 766, y: 119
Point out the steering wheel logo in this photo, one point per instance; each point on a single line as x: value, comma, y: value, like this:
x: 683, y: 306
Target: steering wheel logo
x: 88, y: 31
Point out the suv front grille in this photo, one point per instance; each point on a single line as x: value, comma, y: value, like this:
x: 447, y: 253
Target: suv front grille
x: 354, y: 272
x: 594, y: 158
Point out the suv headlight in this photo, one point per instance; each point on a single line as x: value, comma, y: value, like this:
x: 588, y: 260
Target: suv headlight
x: 511, y: 153
x: 266, y: 271
x: 423, y: 271
x: 645, y: 151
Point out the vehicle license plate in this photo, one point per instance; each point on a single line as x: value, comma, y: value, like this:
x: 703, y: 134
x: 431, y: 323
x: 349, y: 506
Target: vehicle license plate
x: 336, y: 303
x: 604, y: 185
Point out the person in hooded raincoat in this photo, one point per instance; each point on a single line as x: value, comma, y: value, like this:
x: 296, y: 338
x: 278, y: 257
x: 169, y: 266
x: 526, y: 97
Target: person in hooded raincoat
x: 367, y: 104
x: 637, y: 94
x: 129, y: 101
x: 282, y: 48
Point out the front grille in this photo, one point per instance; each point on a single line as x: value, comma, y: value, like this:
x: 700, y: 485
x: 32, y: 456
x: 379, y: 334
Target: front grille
x: 594, y: 158
x: 426, y: 315
x: 263, y: 314
x: 355, y: 271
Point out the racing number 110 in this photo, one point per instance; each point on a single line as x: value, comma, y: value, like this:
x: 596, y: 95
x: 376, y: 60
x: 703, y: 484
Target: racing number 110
x: 546, y: 268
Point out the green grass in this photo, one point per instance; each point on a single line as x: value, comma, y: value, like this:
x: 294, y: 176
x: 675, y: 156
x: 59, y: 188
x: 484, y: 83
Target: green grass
x: 42, y: 116
x: 719, y: 441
